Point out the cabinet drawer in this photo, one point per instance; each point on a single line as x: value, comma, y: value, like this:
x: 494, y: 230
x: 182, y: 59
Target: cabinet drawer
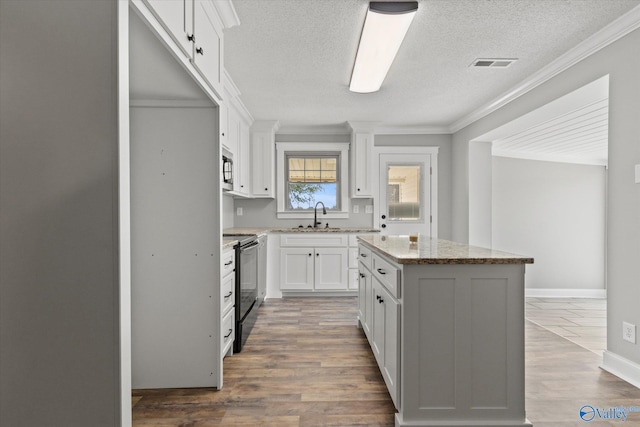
x: 364, y: 255
x: 387, y: 274
x: 227, y: 330
x: 314, y: 239
x: 228, y: 262
x: 227, y: 291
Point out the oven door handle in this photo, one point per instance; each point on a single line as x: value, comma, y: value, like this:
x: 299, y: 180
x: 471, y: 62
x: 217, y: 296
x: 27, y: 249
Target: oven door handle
x: 249, y: 246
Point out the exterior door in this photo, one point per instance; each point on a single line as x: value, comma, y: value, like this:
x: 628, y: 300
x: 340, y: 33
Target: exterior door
x: 405, y: 194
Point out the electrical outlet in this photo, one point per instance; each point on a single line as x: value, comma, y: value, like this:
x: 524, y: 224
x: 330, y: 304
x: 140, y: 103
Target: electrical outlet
x: 629, y: 332
x: 356, y: 208
x: 239, y: 211
x: 368, y: 209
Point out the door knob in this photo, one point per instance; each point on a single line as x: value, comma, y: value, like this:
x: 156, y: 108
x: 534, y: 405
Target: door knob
x: 384, y: 217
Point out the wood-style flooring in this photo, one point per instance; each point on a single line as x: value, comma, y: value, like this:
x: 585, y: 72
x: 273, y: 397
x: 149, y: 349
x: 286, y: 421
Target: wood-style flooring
x: 307, y: 364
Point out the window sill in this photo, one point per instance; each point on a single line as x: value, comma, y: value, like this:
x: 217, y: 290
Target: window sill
x: 309, y: 215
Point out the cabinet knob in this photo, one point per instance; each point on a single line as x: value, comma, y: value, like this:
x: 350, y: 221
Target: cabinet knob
x: 191, y: 37
x: 358, y: 189
x: 384, y: 217
x: 362, y: 275
x: 222, y: 133
x: 309, y: 254
x: 200, y: 50
x: 381, y: 301
x: 378, y: 297
x: 317, y: 254
x: 384, y: 226
x: 266, y: 189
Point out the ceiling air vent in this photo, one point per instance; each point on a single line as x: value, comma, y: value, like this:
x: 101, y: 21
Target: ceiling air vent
x: 493, y: 62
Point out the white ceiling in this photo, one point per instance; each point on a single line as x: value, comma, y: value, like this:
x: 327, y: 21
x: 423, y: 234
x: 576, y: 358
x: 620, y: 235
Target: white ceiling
x: 292, y: 59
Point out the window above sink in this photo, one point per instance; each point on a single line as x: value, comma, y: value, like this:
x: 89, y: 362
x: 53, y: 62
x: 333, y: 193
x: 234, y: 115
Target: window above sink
x: 312, y: 173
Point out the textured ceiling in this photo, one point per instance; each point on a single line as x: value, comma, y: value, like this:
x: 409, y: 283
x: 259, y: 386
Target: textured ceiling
x: 292, y: 59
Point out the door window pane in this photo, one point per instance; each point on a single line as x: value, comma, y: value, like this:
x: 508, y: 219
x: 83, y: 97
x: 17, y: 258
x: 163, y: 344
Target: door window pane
x: 403, y: 193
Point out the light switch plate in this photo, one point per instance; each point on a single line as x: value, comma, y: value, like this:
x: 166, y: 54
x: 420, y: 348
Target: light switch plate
x: 239, y: 211
x: 356, y: 208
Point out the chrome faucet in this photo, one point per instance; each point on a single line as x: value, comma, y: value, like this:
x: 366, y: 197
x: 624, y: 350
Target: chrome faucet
x: 315, y: 214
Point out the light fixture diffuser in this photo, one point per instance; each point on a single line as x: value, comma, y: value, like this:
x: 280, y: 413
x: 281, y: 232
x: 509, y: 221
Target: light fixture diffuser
x: 385, y: 26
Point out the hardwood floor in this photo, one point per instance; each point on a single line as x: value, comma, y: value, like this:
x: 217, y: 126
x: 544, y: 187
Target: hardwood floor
x: 306, y: 364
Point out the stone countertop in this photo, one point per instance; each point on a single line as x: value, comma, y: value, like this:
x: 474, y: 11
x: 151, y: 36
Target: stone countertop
x: 228, y: 243
x: 246, y: 231
x: 438, y: 251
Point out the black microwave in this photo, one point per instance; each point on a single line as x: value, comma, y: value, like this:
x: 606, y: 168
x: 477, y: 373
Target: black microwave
x: 227, y: 173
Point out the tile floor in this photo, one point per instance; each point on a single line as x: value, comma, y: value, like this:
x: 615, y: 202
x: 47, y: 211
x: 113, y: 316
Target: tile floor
x: 579, y: 320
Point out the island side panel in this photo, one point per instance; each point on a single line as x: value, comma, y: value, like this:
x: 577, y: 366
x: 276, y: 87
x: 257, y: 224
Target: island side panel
x: 463, y: 344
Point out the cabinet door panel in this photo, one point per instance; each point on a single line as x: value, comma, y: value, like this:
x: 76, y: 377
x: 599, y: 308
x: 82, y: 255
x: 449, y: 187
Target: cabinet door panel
x: 296, y: 268
x: 390, y: 369
x: 262, y: 164
x: 364, y: 303
x: 353, y: 279
x: 177, y: 18
x: 208, y: 54
x: 379, y: 321
x: 331, y: 268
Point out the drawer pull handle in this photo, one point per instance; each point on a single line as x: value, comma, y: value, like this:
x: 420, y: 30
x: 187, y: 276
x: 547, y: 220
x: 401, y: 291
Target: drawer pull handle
x: 363, y: 255
x: 228, y: 295
x: 378, y: 297
x: 362, y: 275
x: 381, y: 301
x: 229, y: 334
x: 381, y: 271
x: 228, y: 263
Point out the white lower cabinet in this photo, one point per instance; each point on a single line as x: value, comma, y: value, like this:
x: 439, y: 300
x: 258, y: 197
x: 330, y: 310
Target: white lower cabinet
x: 386, y: 336
x: 379, y: 316
x: 227, y: 303
x: 313, y: 269
x: 296, y: 268
x: 317, y: 262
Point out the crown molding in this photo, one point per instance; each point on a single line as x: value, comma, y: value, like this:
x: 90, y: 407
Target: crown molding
x: 265, y: 126
x: 341, y: 129
x: 171, y: 103
x: 227, y: 13
x: 412, y: 130
x: 609, y: 34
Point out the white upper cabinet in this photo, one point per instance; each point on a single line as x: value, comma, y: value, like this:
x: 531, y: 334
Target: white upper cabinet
x: 208, y: 44
x: 263, y: 158
x: 361, y: 160
x: 244, y: 159
x: 177, y: 18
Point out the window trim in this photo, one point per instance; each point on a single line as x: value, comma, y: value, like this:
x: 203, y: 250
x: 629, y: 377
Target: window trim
x: 309, y: 148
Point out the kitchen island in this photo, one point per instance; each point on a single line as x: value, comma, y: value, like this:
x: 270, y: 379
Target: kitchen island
x: 446, y: 324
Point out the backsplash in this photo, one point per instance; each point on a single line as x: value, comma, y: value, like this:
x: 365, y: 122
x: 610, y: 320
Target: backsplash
x: 262, y: 213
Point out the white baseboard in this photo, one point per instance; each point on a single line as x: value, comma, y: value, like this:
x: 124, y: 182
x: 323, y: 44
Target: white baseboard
x: 623, y: 368
x: 565, y: 293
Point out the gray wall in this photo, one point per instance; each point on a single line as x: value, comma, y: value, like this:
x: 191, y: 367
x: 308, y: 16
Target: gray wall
x: 59, y: 332
x: 622, y: 63
x: 563, y: 207
x: 263, y: 211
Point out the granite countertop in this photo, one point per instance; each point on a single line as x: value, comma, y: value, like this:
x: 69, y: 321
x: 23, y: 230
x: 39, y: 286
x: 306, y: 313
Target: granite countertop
x: 324, y: 230
x: 247, y: 231
x: 228, y: 243
x: 438, y: 251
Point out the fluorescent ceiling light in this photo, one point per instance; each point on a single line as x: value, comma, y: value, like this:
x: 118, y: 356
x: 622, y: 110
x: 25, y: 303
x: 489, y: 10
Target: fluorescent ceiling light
x: 385, y: 26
